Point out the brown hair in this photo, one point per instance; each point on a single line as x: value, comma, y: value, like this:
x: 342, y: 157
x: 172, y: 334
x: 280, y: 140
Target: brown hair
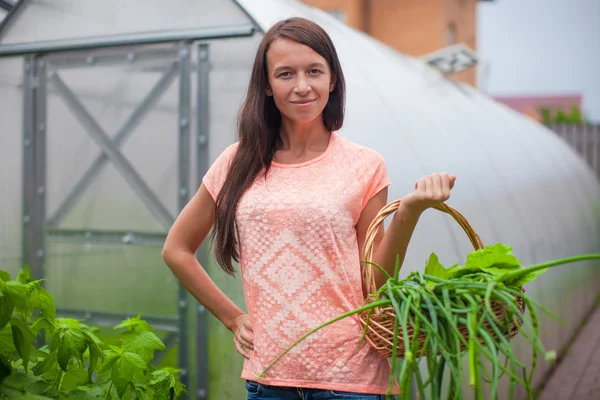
x: 259, y: 124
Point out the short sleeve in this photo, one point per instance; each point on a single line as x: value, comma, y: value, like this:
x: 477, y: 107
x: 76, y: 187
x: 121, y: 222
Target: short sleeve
x: 378, y: 177
x: 217, y: 173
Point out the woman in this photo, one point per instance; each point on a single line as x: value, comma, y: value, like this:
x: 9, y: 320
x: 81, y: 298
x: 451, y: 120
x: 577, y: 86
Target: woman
x: 291, y: 201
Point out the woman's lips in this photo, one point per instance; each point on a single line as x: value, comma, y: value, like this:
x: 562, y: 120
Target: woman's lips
x: 303, y: 103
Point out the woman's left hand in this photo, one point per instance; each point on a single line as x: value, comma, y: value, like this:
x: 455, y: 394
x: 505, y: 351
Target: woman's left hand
x: 430, y: 191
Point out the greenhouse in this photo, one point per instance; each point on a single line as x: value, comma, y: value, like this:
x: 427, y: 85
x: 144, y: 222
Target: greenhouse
x: 113, y: 111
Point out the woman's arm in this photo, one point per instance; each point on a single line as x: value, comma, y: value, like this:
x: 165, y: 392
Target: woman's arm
x: 185, y: 236
x: 429, y: 191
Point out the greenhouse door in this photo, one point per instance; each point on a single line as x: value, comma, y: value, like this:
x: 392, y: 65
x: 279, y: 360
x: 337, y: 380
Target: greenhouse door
x: 108, y: 164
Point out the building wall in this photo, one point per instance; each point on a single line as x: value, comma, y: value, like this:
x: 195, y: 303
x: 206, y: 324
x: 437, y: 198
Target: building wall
x: 462, y: 15
x: 354, y: 10
x: 414, y: 27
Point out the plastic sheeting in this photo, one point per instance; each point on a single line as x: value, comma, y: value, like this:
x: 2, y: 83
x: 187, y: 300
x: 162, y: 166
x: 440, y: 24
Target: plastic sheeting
x: 43, y: 20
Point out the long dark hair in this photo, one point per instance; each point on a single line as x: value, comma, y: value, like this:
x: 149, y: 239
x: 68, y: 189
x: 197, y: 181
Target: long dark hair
x: 259, y: 124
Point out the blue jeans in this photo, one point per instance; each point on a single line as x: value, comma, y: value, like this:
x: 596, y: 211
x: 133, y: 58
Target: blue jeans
x: 258, y: 391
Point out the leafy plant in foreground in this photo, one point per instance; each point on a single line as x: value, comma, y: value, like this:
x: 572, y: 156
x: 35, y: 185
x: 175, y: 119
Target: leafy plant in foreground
x: 74, y: 363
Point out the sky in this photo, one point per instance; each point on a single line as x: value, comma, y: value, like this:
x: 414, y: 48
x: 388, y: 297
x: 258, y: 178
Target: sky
x: 541, y: 47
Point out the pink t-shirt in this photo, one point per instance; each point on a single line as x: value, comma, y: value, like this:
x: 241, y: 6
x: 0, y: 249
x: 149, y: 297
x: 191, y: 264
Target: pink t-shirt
x: 300, y: 266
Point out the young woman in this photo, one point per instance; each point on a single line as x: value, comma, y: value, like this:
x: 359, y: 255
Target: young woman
x: 291, y: 201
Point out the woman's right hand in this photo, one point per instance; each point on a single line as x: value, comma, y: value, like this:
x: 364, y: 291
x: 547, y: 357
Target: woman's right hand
x: 243, y: 336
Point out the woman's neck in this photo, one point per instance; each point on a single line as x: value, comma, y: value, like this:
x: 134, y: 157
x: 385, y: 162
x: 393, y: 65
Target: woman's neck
x: 299, y: 139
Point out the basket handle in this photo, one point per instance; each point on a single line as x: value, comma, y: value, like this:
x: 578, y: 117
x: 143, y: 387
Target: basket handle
x: 368, y: 249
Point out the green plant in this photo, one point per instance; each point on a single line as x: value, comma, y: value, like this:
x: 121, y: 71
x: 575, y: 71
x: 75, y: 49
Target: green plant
x: 562, y: 117
x: 74, y: 363
x: 440, y: 300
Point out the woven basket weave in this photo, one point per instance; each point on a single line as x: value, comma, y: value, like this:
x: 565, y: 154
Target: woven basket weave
x: 380, y: 332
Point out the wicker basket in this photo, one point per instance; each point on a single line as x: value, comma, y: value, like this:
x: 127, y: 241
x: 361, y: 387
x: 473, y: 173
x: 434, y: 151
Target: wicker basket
x: 380, y: 331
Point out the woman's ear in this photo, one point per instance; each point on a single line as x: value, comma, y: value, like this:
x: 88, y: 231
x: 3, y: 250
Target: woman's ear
x: 333, y: 82
x: 269, y: 91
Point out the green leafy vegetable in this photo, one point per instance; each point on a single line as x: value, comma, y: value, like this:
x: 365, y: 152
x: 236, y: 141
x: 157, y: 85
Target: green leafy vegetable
x: 7, y: 345
x: 25, y: 275
x: 5, y: 368
x: 435, y: 268
x: 495, y: 260
x: 69, y: 344
x: 15, y: 291
x: 143, y: 343
x: 39, y: 298
x: 135, y: 324
x: 75, y: 363
x: 166, y: 385
x: 23, y: 339
x: 4, y: 276
x: 7, y: 307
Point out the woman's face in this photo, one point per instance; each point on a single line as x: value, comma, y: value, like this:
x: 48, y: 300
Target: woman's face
x: 299, y: 80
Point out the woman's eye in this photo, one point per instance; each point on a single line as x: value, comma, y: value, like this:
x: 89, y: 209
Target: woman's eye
x: 315, y: 71
x: 285, y: 74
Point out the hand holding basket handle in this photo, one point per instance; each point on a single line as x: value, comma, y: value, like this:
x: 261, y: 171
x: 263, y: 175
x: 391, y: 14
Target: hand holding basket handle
x: 430, y: 191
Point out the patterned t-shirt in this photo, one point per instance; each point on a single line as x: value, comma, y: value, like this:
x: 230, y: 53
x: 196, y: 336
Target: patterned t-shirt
x: 300, y: 266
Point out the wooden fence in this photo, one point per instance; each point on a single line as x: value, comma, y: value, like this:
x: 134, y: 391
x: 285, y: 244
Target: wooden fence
x: 584, y: 138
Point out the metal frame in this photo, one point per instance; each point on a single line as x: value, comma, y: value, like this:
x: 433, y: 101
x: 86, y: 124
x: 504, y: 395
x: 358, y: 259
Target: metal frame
x: 88, y: 43
x: 106, y: 237
x: 104, y: 142
x: 6, y: 6
x: 110, y: 147
x: 40, y: 69
x: 185, y: 99
x: 201, y: 144
x: 10, y: 16
x: 112, y: 56
x: 34, y: 164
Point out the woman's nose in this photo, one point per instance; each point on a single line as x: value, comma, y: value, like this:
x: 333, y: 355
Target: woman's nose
x: 302, y: 86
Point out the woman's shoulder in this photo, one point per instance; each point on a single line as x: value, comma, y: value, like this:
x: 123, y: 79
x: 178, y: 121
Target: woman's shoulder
x: 227, y: 154
x: 223, y: 159
x: 230, y: 150
x: 355, y: 150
